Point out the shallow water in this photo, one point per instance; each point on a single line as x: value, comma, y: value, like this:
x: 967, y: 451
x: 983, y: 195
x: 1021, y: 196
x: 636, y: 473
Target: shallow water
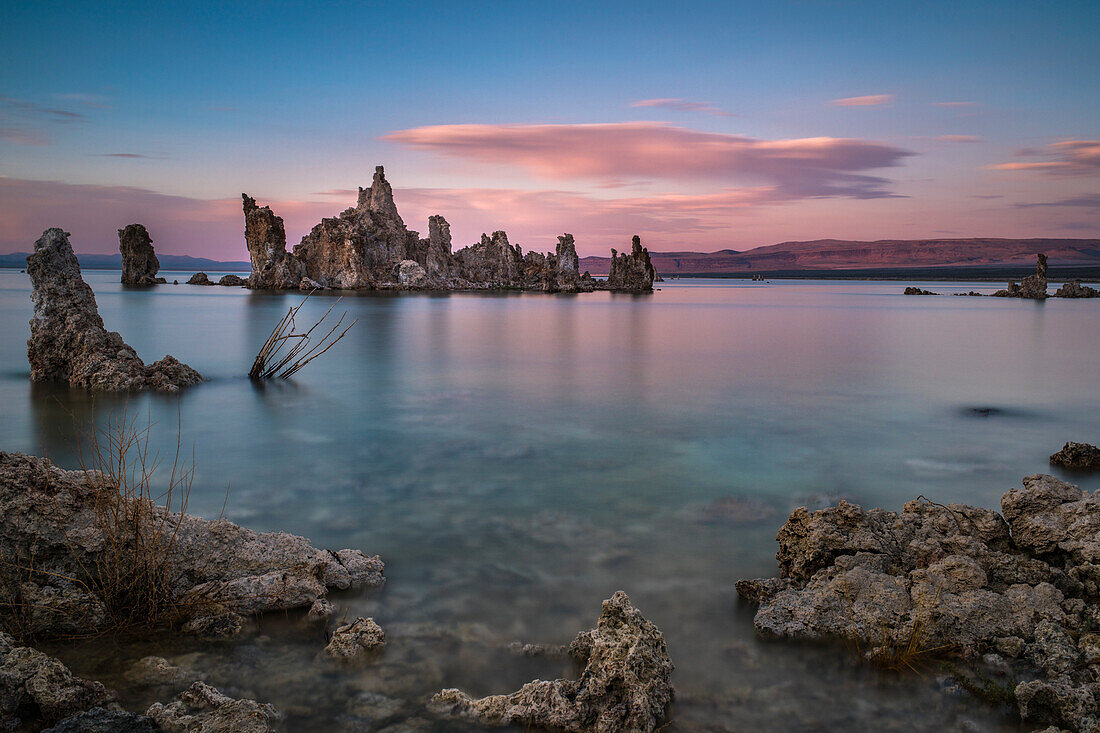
x: 517, y: 458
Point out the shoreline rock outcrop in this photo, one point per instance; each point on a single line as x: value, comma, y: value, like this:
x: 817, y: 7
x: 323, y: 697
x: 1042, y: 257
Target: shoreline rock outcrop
x: 1074, y: 289
x: 139, y: 262
x: 1033, y: 287
x: 216, y: 572
x: 69, y: 342
x: 625, y: 686
x: 956, y: 579
x: 1077, y: 457
x: 369, y: 247
x: 918, y: 291
x: 206, y: 709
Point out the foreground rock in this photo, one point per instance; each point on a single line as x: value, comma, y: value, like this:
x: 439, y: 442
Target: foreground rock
x: 355, y: 640
x: 368, y: 246
x: 204, y: 709
x: 36, y: 689
x: 956, y: 580
x: 68, y: 341
x: 625, y: 686
x: 214, y: 571
x: 1077, y: 457
x: 139, y: 261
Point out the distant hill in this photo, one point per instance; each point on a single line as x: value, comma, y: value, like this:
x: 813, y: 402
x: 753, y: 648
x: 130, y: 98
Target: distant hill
x: 114, y: 262
x: 839, y: 254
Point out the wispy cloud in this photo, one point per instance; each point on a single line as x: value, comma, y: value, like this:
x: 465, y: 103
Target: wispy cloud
x: 1085, y: 200
x: 684, y: 105
x: 870, y: 100
x: 98, y: 101
x: 1069, y: 157
x: 954, y: 104
x: 798, y: 168
x: 24, y: 122
x: 136, y: 156
x: 336, y: 192
x: 960, y: 139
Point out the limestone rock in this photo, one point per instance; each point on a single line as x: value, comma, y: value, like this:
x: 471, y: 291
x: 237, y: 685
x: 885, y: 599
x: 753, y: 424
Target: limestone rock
x: 204, y: 709
x: 220, y: 569
x: 1074, y: 289
x: 265, y: 237
x: 493, y: 262
x: 232, y: 280
x: 36, y: 688
x: 200, y: 278
x: 624, y: 688
x: 1077, y: 457
x: 410, y: 274
x: 352, y: 641
x: 438, y: 260
x: 139, y: 261
x: 68, y: 340
x: 1033, y: 286
x: 1055, y: 519
x: 634, y: 271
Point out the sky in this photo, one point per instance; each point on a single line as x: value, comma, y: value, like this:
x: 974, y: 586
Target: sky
x: 699, y: 126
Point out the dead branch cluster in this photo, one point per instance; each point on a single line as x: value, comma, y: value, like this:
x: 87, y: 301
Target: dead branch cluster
x: 287, y: 350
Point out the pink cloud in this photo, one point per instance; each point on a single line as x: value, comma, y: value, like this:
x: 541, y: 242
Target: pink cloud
x: 683, y: 105
x: 870, y: 100
x: 960, y: 139
x: 798, y: 168
x: 1071, y: 157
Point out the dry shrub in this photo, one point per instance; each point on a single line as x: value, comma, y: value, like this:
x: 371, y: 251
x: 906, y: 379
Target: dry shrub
x: 905, y: 653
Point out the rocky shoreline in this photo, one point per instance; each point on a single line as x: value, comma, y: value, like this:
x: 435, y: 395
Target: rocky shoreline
x: 1033, y: 287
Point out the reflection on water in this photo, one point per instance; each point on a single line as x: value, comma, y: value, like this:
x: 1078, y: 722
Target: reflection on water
x: 517, y: 458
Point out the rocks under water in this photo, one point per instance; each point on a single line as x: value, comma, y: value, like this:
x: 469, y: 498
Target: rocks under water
x: 954, y: 580
x: 139, y: 261
x: 369, y: 247
x: 68, y: 341
x: 625, y: 686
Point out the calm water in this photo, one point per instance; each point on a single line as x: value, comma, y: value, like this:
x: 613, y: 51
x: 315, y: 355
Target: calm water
x: 516, y: 459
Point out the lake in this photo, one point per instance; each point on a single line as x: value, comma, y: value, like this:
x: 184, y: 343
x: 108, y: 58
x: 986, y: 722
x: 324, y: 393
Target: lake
x: 517, y: 458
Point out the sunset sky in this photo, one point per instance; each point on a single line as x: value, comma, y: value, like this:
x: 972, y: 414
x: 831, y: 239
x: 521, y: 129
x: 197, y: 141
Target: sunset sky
x: 699, y: 126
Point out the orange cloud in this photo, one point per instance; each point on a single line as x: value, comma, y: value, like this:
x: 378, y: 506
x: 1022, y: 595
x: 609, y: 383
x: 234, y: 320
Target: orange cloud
x: 1071, y: 157
x: 870, y: 100
x: 798, y: 168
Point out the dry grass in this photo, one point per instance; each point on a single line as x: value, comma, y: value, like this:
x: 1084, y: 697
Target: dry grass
x: 909, y: 653
x: 287, y: 351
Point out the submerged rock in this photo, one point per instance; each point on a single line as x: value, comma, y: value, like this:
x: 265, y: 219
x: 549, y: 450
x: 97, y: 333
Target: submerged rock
x: 953, y: 580
x: 1077, y: 457
x: 68, y: 341
x: 200, y: 278
x: 139, y: 261
x: 204, y: 709
x: 36, y: 688
x: 625, y: 686
x: 215, y: 570
x: 353, y: 641
x: 101, y: 720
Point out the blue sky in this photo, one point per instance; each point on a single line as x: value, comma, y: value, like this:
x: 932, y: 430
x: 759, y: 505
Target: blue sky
x: 290, y: 100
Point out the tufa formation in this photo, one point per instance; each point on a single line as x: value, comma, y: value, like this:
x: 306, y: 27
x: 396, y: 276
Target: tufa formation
x: 139, y: 261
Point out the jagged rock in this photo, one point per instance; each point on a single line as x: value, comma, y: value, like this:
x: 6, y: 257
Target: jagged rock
x: 265, y: 237
x: 139, y: 261
x: 956, y: 578
x: 625, y: 686
x: 101, y: 720
x: 36, y: 688
x: 200, y: 278
x: 68, y: 341
x: 218, y: 568
x: 410, y: 274
x: 438, y: 260
x: 204, y: 709
x: 309, y: 284
x: 634, y: 271
x: 492, y: 262
x: 918, y: 291
x: 352, y: 641
x: 1074, y: 289
x: 232, y: 280
x: 1077, y: 457
x: 1033, y: 286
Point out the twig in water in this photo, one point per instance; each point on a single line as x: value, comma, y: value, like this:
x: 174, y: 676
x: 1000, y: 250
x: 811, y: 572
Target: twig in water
x: 272, y: 361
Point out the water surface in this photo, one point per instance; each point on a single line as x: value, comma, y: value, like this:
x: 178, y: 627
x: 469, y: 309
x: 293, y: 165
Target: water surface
x: 517, y: 458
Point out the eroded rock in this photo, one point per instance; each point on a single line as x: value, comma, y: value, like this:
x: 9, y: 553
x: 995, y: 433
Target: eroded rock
x: 918, y: 291
x: 634, y: 271
x: 68, y: 341
x: 265, y: 237
x: 1032, y: 286
x: 625, y: 686
x: 200, y: 278
x: 353, y: 641
x: 101, y: 720
x: 36, y: 688
x: 1077, y: 457
x: 219, y: 569
x: 139, y: 261
x: 232, y: 280
x: 205, y: 709
x: 1074, y: 289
